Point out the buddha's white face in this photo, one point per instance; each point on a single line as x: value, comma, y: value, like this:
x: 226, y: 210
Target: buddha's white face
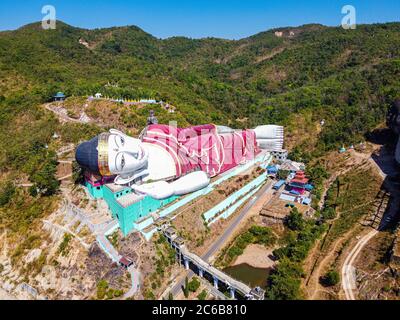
x: 126, y: 155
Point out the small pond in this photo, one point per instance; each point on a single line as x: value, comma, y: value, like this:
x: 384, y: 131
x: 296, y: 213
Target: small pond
x: 254, y: 277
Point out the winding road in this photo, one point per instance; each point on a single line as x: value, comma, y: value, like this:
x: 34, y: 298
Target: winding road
x: 385, y: 167
x: 348, y: 271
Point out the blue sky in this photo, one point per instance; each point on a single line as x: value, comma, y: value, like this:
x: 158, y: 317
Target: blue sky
x: 230, y: 19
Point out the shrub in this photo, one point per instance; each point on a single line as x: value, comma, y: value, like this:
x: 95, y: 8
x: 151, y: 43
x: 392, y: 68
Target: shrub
x: 7, y: 191
x: 295, y: 220
x: 263, y: 235
x: 331, y: 278
x: 282, y: 174
x: 118, y: 293
x: 63, y: 247
x: 44, y: 177
x: 329, y: 213
x: 194, y: 285
x: 284, y: 282
x: 102, y: 287
x: 77, y: 173
x: 149, y: 295
x: 202, y: 295
x: 234, y: 252
x: 33, y: 191
x: 110, y: 294
x: 186, y: 288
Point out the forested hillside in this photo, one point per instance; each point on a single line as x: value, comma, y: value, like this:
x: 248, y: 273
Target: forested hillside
x: 291, y: 76
x: 339, y: 74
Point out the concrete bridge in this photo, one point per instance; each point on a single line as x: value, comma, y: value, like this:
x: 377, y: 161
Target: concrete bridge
x: 204, y: 268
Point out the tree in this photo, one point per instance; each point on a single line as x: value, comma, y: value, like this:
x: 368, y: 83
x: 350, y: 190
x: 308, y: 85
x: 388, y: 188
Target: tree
x: 33, y: 191
x: 170, y: 296
x: 202, y: 295
x: 194, y: 285
x: 77, y: 173
x: 45, y: 178
x: 149, y: 295
x: 186, y: 288
x: 317, y: 173
x: 295, y: 220
x: 102, y: 287
x: 284, y: 282
x: 6, y: 193
x: 282, y: 174
x: 118, y: 293
x: 331, y: 278
x: 263, y: 235
x: 234, y: 252
x: 329, y: 213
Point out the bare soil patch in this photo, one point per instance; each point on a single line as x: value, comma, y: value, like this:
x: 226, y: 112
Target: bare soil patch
x: 257, y: 256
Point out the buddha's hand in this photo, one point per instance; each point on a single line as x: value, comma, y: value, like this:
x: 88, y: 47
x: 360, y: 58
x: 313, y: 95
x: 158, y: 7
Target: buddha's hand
x: 158, y: 190
x: 161, y: 189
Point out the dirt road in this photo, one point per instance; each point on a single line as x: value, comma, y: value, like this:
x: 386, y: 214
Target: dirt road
x: 384, y: 166
x: 348, y: 271
x: 320, y: 260
x: 4, y: 295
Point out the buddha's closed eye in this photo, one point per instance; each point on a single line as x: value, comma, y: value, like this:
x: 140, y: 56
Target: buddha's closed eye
x: 119, y: 141
x: 122, y: 161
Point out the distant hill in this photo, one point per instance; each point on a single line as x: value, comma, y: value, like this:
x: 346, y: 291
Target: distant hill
x: 264, y: 77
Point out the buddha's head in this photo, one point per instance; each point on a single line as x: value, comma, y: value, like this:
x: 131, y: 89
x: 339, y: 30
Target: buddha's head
x: 113, y: 154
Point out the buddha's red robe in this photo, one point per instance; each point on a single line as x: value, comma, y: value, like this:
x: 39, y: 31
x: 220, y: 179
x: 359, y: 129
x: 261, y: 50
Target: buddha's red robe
x: 203, y: 148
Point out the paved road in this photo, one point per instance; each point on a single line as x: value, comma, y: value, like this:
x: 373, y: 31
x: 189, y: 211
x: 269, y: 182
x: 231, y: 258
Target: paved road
x: 109, y: 249
x: 226, y: 235
x: 135, y: 278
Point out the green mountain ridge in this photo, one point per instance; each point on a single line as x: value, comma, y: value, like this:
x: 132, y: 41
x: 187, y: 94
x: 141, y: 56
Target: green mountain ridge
x: 212, y: 79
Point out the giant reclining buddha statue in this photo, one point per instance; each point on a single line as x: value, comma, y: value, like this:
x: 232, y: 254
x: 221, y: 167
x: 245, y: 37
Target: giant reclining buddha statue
x: 168, y: 161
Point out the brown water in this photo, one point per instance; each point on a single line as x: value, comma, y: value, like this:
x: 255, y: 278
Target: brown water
x: 254, y: 277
